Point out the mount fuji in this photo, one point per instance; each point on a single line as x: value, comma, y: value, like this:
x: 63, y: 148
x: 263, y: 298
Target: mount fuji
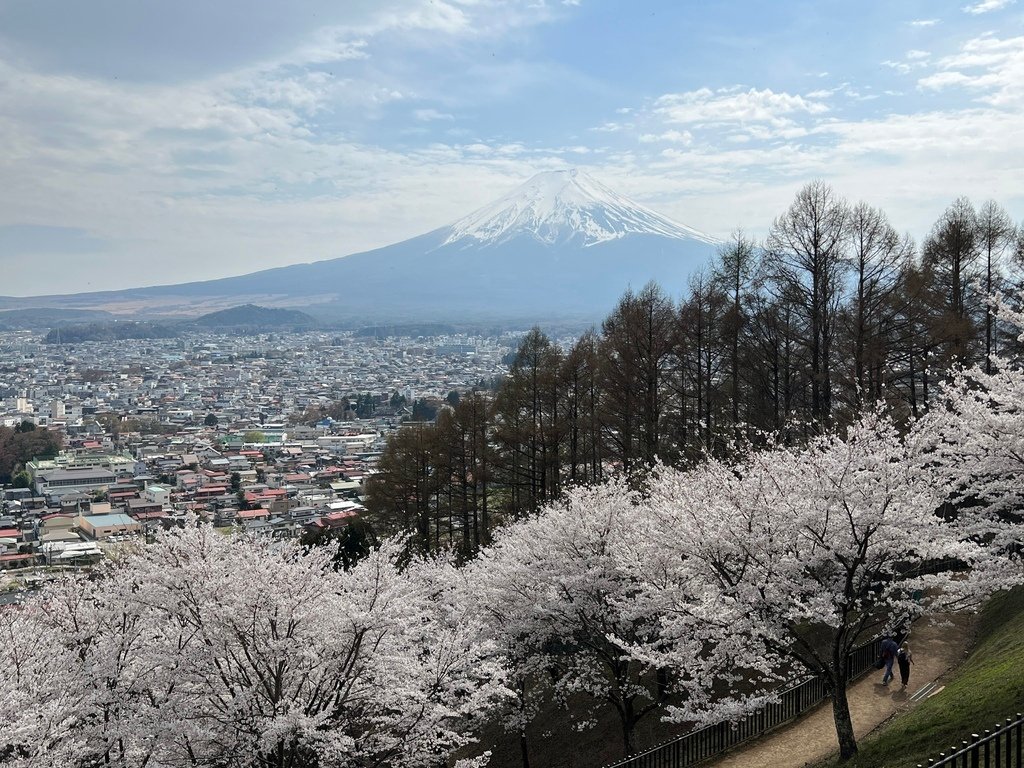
x: 560, y: 245
x: 560, y: 207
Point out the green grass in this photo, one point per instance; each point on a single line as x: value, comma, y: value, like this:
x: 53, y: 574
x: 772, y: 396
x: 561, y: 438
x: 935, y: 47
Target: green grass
x: 988, y: 688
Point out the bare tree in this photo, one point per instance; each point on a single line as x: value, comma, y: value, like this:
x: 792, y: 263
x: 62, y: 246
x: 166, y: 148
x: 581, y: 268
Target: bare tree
x: 400, y: 495
x: 805, y: 253
x: 996, y: 233
x: 877, y: 256
x: 582, y: 411
x: 735, y: 269
x: 950, y: 256
x: 636, y: 348
x: 702, y: 356
x: 528, y: 429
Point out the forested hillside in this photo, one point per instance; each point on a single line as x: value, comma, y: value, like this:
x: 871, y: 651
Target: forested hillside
x: 109, y: 331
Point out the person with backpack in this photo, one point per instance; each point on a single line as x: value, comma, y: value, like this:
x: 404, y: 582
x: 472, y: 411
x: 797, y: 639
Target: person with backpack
x: 889, y: 649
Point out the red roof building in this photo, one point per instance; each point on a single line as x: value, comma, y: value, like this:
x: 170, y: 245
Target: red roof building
x: 253, y: 514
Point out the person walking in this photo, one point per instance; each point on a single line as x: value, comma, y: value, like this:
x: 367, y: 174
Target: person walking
x: 889, y: 649
x: 904, y: 658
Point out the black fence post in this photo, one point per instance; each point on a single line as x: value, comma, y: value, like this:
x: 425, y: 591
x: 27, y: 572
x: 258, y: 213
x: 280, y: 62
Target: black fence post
x: 1018, y: 729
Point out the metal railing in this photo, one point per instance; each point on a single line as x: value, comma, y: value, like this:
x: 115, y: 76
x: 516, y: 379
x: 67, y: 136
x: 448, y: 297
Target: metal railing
x: 715, y: 739
x: 998, y: 748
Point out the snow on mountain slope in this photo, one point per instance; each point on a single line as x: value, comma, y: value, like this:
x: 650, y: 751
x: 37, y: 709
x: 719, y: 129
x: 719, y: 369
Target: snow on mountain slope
x: 561, y: 206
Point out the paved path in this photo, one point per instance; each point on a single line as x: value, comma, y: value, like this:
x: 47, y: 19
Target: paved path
x: 813, y: 737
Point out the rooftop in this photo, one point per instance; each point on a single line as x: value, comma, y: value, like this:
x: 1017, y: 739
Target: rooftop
x: 109, y: 521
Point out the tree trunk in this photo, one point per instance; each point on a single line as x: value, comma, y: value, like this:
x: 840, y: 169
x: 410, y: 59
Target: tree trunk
x: 524, y: 751
x: 628, y: 718
x: 844, y: 725
x: 988, y: 311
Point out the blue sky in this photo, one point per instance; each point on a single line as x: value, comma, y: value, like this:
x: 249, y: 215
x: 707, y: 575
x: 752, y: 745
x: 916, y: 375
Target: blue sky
x: 148, y: 142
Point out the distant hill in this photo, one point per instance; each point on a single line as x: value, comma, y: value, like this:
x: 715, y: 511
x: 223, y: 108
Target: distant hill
x: 252, y: 316
x: 109, y: 331
x: 48, y: 317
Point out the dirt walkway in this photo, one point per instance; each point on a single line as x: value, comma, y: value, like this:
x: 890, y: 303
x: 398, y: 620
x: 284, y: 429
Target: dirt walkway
x: 813, y: 737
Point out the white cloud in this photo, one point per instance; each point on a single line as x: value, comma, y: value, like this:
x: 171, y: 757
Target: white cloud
x: 430, y: 115
x: 731, y: 105
x: 912, y: 59
x: 986, y: 6
x: 992, y: 67
x: 611, y: 127
x: 675, y: 137
x: 439, y: 16
x: 751, y: 152
x: 900, y: 66
x: 910, y: 165
x: 330, y: 46
x: 373, y: 20
x: 941, y: 80
x: 923, y: 22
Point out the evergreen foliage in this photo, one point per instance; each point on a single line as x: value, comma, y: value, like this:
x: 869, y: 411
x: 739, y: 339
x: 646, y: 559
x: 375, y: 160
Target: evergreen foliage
x: 20, y: 444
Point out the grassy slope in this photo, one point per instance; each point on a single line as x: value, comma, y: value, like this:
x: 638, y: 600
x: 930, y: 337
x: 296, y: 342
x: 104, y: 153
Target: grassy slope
x: 988, y: 688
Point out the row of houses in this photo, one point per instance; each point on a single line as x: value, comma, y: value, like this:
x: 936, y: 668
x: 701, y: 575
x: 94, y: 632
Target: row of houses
x: 88, y: 498
x: 272, y: 433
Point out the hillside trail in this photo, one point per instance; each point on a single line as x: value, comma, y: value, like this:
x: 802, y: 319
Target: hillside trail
x: 812, y: 738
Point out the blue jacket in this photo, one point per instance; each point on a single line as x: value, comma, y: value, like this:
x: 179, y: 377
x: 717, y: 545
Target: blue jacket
x: 889, y: 648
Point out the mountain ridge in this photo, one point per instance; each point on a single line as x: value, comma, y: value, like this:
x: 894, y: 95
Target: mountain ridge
x: 561, y: 244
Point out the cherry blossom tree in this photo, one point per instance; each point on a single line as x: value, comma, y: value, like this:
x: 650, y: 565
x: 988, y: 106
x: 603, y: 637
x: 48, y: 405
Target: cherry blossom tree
x: 37, y: 729
x: 555, y: 595
x: 821, y: 548
x: 566, y: 602
x: 525, y: 667
x: 973, y: 438
x: 204, y: 650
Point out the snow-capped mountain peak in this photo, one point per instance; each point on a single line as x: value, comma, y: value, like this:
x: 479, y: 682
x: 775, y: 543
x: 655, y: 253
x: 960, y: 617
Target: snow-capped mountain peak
x: 559, y: 206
